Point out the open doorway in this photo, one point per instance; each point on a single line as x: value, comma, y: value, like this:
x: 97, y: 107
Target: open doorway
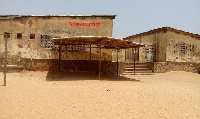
x: 136, y: 55
x: 130, y: 54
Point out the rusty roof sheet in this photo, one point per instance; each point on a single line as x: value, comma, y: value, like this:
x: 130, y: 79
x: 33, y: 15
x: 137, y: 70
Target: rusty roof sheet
x: 18, y: 16
x: 164, y: 29
x: 103, y: 41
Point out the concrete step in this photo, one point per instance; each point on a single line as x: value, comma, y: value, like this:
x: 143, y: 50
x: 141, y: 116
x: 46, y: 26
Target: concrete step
x: 133, y: 63
x: 12, y: 68
x: 142, y: 71
x: 138, y: 73
x: 137, y: 69
x: 136, y: 66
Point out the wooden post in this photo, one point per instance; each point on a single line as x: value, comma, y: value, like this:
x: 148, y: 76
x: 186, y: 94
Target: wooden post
x: 156, y: 47
x: 100, y: 64
x: 60, y: 60
x: 134, y: 60
x: 125, y: 54
x: 117, y: 62
x: 90, y: 57
x: 5, y: 59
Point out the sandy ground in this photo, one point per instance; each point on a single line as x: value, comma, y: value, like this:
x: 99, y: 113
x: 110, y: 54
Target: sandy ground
x: 32, y: 95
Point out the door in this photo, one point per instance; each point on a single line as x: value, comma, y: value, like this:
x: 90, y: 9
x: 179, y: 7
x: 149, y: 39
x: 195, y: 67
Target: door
x: 135, y: 55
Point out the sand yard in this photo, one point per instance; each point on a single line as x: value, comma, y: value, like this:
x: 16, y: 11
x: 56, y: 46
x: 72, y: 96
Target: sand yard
x: 36, y: 95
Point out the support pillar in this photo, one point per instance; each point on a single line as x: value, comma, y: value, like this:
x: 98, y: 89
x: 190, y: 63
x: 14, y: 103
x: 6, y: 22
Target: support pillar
x: 134, y: 61
x: 117, y: 63
x: 156, y: 47
x: 5, y: 59
x: 100, y: 64
x: 60, y: 60
x: 134, y: 49
x: 90, y: 57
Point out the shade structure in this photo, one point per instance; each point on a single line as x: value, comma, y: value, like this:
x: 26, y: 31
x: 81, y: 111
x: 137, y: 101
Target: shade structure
x: 99, y: 41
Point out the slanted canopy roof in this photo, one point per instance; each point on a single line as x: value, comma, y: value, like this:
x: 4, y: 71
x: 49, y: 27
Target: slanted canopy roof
x: 103, y: 41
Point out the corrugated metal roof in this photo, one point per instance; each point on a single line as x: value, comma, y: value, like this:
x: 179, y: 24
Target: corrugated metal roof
x: 15, y: 16
x: 163, y: 29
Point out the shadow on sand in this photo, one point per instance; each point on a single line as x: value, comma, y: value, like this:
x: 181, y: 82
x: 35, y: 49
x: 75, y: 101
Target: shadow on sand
x: 66, y: 76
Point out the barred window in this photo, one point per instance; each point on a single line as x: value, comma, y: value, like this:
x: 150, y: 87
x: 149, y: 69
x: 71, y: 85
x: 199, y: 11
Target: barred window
x: 150, y: 49
x: 46, y: 42
x: 75, y: 48
x: 182, y: 48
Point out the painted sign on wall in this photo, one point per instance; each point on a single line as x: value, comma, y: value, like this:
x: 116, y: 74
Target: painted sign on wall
x: 85, y: 24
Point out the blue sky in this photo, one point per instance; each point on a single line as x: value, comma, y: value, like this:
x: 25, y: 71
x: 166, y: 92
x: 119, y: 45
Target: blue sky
x: 134, y: 16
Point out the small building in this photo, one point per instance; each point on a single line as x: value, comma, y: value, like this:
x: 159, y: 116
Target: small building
x: 167, y: 49
x: 30, y: 42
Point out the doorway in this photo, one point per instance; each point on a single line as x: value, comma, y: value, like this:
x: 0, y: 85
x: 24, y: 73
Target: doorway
x: 136, y: 55
x: 130, y: 54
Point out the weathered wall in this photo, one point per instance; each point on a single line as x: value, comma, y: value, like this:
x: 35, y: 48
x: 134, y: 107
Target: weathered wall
x: 121, y: 67
x: 160, y: 67
x: 192, y: 48
x: 107, y: 67
x: 142, y: 54
x: 44, y: 54
x: 161, y: 48
x: 150, y: 40
x: 47, y: 27
x: 121, y: 55
x: 168, y: 46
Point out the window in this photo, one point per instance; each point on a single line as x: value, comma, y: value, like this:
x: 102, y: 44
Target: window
x: 182, y: 48
x: 46, y: 42
x: 6, y: 35
x: 32, y: 36
x: 150, y: 49
x: 19, y: 35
